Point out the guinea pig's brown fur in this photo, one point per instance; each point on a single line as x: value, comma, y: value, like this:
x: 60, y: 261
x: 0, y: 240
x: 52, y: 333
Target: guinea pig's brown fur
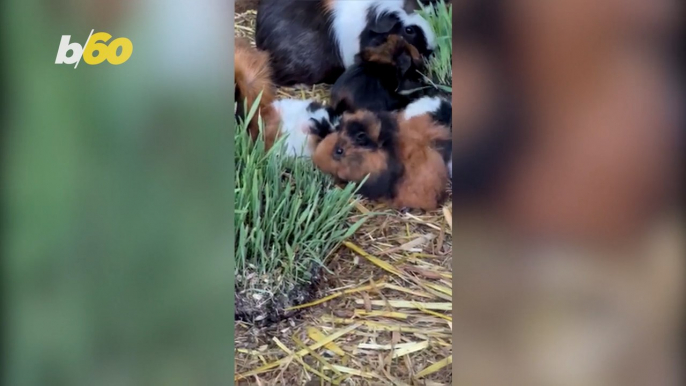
x: 390, y: 50
x: 398, y: 155
x: 252, y: 76
x: 424, y: 165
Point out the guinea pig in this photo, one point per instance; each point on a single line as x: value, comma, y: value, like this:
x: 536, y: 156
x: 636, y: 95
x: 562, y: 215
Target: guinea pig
x: 313, y: 42
x: 252, y: 77
x: 379, y: 75
x: 398, y: 155
x: 300, y: 119
x: 440, y: 112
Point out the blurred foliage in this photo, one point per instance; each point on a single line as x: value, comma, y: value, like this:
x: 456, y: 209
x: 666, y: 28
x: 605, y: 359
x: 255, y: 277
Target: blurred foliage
x: 117, y: 187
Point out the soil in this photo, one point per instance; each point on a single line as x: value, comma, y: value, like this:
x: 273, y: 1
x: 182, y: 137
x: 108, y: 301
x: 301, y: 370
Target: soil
x: 263, y: 312
x: 245, y: 5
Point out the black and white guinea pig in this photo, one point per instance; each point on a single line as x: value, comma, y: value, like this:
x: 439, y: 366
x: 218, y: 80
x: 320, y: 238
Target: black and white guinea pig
x: 315, y: 41
x: 440, y: 112
x: 379, y: 76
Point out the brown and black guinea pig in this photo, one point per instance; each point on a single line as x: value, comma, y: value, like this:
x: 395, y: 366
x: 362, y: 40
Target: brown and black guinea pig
x: 382, y: 78
x: 402, y: 157
x: 253, y: 76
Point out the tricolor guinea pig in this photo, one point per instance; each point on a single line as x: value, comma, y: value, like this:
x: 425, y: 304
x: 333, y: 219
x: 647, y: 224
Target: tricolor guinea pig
x: 315, y: 41
x: 380, y: 76
x: 398, y: 155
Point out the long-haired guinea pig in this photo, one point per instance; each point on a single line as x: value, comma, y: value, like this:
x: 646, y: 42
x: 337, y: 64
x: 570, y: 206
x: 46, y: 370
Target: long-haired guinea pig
x: 440, y: 112
x: 399, y: 155
x: 252, y: 77
x: 315, y: 41
x: 376, y: 81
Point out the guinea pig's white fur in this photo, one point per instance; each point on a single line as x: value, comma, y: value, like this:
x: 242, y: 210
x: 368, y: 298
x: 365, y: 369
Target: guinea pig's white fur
x: 296, y: 123
x: 428, y: 105
x: 421, y: 106
x: 349, y: 20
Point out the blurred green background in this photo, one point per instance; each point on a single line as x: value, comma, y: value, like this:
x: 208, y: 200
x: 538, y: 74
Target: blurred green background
x: 117, y: 187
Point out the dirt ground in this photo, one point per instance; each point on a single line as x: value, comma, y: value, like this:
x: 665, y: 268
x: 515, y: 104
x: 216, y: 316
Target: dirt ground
x: 244, y: 5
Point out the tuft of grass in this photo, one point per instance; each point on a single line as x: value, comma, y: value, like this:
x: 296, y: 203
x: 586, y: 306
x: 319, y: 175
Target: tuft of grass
x: 288, y: 218
x: 440, y: 17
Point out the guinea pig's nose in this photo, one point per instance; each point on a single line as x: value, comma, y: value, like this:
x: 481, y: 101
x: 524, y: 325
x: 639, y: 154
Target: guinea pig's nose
x: 338, y: 153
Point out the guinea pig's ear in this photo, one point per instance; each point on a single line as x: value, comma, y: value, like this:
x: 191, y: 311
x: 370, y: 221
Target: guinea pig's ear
x: 383, y: 23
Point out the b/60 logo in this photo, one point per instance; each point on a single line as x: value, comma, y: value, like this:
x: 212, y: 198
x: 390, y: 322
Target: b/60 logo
x: 95, y: 51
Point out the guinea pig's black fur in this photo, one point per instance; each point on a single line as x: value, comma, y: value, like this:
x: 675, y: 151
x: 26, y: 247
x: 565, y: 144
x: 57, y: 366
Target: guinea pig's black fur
x: 444, y: 113
x: 382, y: 185
x: 315, y: 41
x: 295, y: 34
x: 444, y: 116
x: 321, y: 128
x: 379, y: 77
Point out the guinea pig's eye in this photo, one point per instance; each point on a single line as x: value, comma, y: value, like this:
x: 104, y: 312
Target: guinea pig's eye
x: 410, y: 30
x: 338, y: 150
x: 361, y: 139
